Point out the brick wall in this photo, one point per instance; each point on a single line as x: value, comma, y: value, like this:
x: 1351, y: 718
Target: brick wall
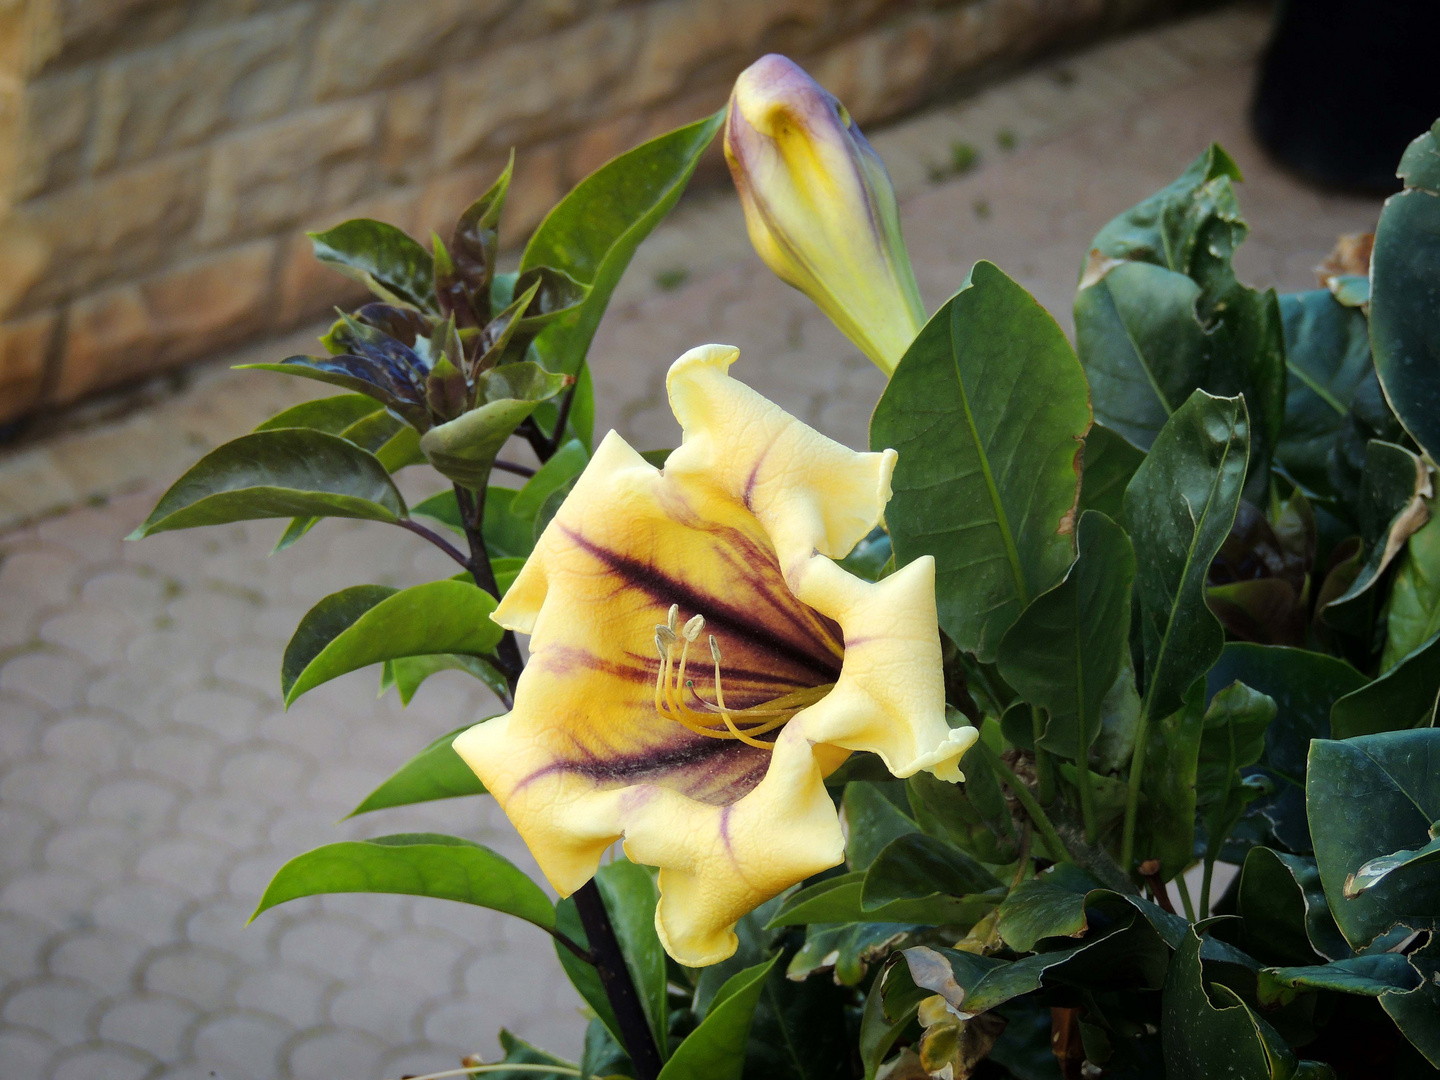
x: 160, y: 160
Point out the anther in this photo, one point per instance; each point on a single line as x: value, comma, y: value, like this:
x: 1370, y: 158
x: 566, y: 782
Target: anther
x: 660, y: 647
x: 714, y: 649
x: 693, y: 627
x: 664, y: 635
x: 673, y: 619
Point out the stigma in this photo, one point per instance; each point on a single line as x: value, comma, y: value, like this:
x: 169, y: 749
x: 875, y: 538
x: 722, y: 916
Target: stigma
x: 674, y: 692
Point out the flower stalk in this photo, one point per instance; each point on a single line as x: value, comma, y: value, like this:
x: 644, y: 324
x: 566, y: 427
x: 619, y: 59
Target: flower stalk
x: 615, y: 977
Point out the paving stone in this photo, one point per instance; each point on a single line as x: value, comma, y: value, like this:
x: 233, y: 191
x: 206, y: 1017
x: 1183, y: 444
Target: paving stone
x: 229, y: 715
x: 103, y: 849
x: 109, y: 1063
x: 154, y: 1024
x: 323, y: 1055
x: 22, y: 944
x: 107, y: 960
x: 56, y: 788
x: 142, y: 803
x: 22, y: 828
x: 148, y: 910
x: 58, y: 898
x: 199, y: 976
x: 185, y: 759
x: 293, y: 996
x: 58, y: 1007
x: 241, y: 1046
x: 331, y: 946
x: 51, y: 677
x: 94, y: 633
x: 25, y: 1054
x: 389, y: 1010
x: 90, y: 742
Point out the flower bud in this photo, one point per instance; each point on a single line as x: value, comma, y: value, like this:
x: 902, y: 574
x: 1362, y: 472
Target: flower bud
x: 820, y: 208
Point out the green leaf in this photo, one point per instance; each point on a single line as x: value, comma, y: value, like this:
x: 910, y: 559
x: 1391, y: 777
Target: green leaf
x: 1417, y: 1012
x: 847, y: 949
x: 1401, y: 698
x: 986, y: 409
x: 1110, y: 462
x: 890, y: 1008
x: 1233, y: 738
x: 1041, y: 908
x: 437, y: 772
x: 519, y: 1052
x: 1413, y: 617
x: 1064, y: 652
x: 799, y: 1030
x: 1327, y: 354
x: 1143, y: 349
x: 603, y: 1055
x: 389, y: 388
x: 716, y: 1049
x: 1211, y: 1033
x: 973, y: 815
x: 592, y: 233
x: 567, y: 464
x: 630, y: 896
x: 871, y: 822
x: 1368, y: 797
x: 1368, y: 976
x: 382, y: 258
x: 582, y: 975
x: 464, y: 449
x: 1304, y: 685
x: 920, y: 867
x: 1282, y: 903
x: 292, y: 472
x: 1404, y: 304
x: 837, y: 900
x: 1166, y: 827
x: 331, y: 414
x: 416, y: 864
x: 406, y: 673
x: 438, y: 617
x: 1377, y: 870
x: 1179, y: 508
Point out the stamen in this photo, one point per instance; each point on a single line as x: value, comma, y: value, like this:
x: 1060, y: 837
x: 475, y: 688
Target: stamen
x: 671, y: 687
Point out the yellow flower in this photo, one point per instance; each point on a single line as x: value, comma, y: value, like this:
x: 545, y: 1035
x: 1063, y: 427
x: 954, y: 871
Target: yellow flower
x: 820, y: 208
x: 699, y: 664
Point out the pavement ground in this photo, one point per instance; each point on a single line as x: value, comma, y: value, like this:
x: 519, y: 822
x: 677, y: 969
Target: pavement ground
x: 150, y: 781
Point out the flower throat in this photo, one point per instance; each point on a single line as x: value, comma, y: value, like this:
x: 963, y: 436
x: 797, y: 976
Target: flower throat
x: 715, y: 720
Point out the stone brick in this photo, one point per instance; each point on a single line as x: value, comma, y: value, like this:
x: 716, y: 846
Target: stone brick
x: 408, y: 132
x: 884, y: 72
x: 114, y: 228
x: 24, y: 346
x: 182, y: 91
x: 534, y: 89
x: 368, y: 43
x: 57, y: 111
x: 288, y: 170
x: 136, y: 329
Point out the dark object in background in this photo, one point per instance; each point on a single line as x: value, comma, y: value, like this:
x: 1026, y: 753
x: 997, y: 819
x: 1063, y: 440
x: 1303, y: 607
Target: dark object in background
x: 1345, y: 86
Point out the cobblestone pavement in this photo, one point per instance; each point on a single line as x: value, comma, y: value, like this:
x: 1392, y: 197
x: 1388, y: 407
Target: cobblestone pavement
x: 150, y: 782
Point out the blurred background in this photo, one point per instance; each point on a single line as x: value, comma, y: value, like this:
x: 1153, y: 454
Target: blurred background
x: 160, y: 162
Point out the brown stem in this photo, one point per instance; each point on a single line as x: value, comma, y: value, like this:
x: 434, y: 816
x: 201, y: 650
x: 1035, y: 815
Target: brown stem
x: 513, y: 467
x: 436, y: 539
x: 619, y: 986
x: 1150, y: 871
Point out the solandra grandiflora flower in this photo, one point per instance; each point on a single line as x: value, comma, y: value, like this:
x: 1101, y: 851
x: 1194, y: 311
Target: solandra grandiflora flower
x: 699, y: 663
x: 820, y: 208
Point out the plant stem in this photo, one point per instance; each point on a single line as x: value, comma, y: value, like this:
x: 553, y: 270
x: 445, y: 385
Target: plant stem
x: 1044, y: 767
x: 436, y: 539
x: 562, y: 418
x: 472, y: 515
x: 1159, y: 892
x: 1205, y: 883
x: 1132, y: 794
x: 615, y: 978
x: 1027, y: 800
x: 1189, y: 904
x: 513, y: 467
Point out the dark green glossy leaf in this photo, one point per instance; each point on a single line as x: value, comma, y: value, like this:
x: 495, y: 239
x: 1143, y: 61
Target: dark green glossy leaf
x: 1178, y: 511
x: 603, y: 1055
x: 1327, y: 353
x: 846, y: 949
x: 438, y: 617
x: 1413, y: 614
x: 986, y: 409
x: 973, y: 815
x: 1417, y: 1012
x: 799, y: 1030
x: 360, y: 375
x: 1064, y: 652
x: 1404, y: 304
x: 1110, y: 462
x: 592, y: 233
x: 329, y: 414
x: 293, y: 472
x: 1377, y: 870
x: 1368, y: 976
x: 630, y: 896
x: 417, y: 864
x: 1043, y: 908
x: 1211, y: 1032
x: 1233, y: 738
x: 474, y: 244
x: 837, y: 900
x: 1368, y: 797
x: 1401, y: 698
x: 567, y: 464
x: 890, y: 1008
x: 1166, y: 826
x: 437, y: 772
x: 870, y: 557
x: 871, y: 822
x: 1304, y: 685
x: 1286, y: 918
x: 382, y: 258
x: 920, y: 867
x: 716, y: 1049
